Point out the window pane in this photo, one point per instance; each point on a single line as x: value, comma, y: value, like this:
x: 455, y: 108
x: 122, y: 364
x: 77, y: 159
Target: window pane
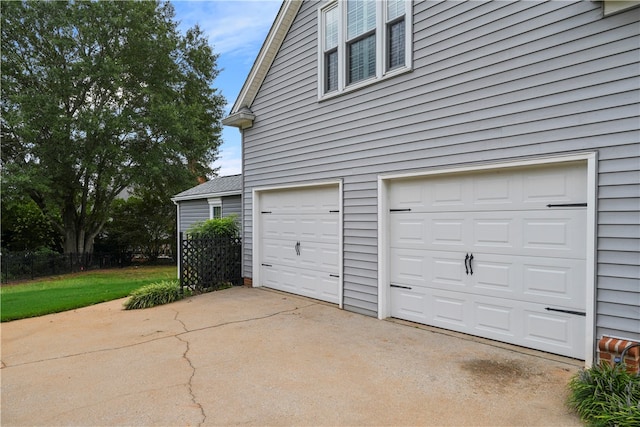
x: 395, y: 44
x: 362, y: 59
x: 395, y: 9
x: 331, y: 28
x: 361, y: 17
x: 217, y: 211
x: 331, y: 71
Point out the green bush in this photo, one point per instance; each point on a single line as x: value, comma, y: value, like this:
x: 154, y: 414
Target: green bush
x: 606, y: 396
x: 154, y: 294
x: 226, y: 227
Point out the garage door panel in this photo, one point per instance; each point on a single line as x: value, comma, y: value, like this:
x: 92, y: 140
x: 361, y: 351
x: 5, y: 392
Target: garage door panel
x: 413, y: 267
x: 299, y: 241
x: 530, y: 233
x: 544, y: 280
x: 318, y: 228
x: 318, y: 256
x: 520, y: 323
x: 507, y: 189
x: 409, y: 304
x: 308, y: 283
x: 556, y: 281
x: 556, y: 333
x: 301, y: 201
x: 526, y: 284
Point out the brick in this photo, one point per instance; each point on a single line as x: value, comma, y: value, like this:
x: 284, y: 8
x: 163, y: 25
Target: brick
x: 247, y: 281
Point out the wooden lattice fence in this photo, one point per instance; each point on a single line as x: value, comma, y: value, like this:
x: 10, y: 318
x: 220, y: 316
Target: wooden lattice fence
x: 210, y: 263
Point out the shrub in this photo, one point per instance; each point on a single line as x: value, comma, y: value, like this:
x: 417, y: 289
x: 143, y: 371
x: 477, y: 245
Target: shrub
x: 606, y: 395
x: 154, y: 294
x: 226, y: 227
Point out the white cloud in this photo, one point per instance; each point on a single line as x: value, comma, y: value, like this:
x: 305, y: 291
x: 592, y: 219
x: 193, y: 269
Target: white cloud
x: 234, y: 27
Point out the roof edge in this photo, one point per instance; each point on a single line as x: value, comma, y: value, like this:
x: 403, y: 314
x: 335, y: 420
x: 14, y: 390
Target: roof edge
x: 267, y: 54
x: 206, y: 195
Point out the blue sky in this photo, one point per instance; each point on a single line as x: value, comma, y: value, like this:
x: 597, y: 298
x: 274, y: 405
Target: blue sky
x: 236, y: 30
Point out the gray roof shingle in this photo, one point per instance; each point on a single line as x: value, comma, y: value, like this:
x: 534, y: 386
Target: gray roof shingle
x: 219, y: 185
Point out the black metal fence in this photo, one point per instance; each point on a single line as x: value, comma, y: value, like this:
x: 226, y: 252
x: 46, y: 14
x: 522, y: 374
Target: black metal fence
x: 29, y: 265
x: 210, y: 263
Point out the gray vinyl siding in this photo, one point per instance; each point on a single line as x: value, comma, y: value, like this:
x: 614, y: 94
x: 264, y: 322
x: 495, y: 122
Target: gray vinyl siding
x: 491, y: 81
x: 192, y: 211
x: 232, y: 205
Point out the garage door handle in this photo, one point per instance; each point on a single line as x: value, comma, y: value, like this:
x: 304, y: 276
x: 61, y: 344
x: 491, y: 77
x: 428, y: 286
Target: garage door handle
x: 267, y: 265
x: 297, y: 246
x: 468, y: 267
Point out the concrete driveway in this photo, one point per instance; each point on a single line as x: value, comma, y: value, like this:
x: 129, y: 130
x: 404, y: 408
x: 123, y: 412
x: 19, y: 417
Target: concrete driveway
x: 256, y: 357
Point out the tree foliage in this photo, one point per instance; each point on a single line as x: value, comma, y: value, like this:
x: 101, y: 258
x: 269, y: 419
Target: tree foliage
x: 139, y: 225
x: 98, y: 97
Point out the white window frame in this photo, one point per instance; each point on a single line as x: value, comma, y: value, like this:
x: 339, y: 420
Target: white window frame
x: 214, y: 202
x: 381, y: 48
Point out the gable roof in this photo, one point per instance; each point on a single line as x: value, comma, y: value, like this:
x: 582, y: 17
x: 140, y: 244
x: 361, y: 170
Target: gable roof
x: 241, y: 115
x: 221, y: 186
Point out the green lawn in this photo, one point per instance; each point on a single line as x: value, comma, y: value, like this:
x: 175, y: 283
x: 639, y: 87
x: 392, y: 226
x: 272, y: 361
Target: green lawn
x: 61, y: 293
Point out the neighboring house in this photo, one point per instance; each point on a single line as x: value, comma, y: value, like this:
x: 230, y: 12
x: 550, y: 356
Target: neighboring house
x: 473, y: 166
x: 218, y: 198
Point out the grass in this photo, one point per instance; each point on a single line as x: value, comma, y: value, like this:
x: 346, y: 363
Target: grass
x: 68, y: 292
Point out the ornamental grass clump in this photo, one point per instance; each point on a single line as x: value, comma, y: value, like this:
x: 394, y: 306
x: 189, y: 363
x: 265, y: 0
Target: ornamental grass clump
x: 154, y: 294
x: 606, y: 396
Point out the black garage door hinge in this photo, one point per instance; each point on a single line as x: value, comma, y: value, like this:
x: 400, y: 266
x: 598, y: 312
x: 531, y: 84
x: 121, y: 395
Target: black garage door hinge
x: 567, y: 205
x: 577, y: 313
x: 400, y: 286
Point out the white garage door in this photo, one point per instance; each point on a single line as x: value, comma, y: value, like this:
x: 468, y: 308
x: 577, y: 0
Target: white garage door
x: 498, y: 254
x: 299, y: 241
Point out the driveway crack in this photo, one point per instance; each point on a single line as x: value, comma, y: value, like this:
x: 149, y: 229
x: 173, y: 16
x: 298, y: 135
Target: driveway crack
x: 177, y: 335
x: 193, y: 369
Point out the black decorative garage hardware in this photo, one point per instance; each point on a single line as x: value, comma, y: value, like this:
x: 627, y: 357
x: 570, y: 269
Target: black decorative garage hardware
x: 567, y: 205
x: 468, y: 267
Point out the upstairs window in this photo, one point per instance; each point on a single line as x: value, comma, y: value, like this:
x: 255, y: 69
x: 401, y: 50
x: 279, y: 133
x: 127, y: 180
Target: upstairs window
x: 362, y: 41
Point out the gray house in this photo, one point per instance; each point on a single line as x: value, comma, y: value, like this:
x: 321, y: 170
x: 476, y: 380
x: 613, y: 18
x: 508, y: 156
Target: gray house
x: 473, y: 166
x: 220, y: 197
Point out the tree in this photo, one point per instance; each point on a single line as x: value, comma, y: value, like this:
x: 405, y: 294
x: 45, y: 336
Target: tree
x: 24, y: 227
x: 144, y: 225
x: 98, y: 97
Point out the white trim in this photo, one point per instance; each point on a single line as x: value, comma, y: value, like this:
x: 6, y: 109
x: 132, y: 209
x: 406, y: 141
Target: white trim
x: 267, y: 54
x: 206, y: 195
x: 179, y: 245
x: 214, y: 202
x: 592, y: 224
x: 384, y: 309
x: 256, y: 254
